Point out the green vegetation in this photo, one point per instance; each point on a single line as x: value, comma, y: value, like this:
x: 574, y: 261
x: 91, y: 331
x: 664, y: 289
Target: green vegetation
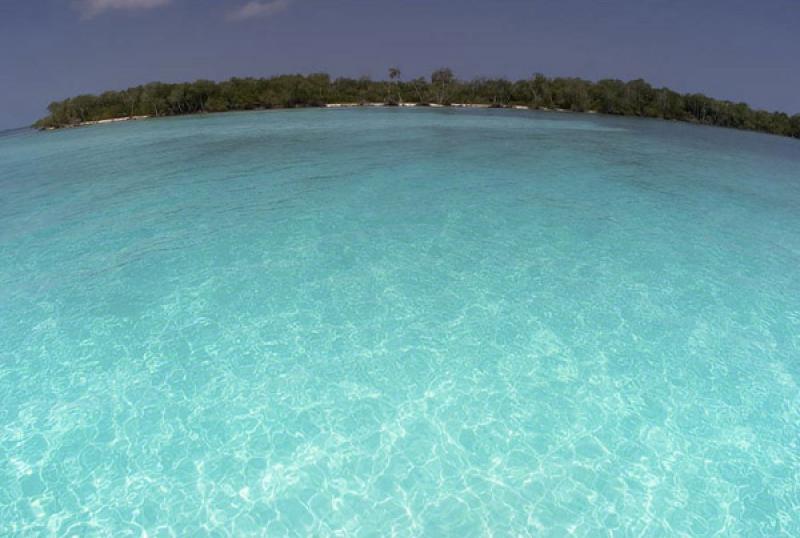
x: 634, y: 98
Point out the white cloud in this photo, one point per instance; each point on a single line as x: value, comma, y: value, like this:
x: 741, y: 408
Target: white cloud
x: 258, y: 9
x: 90, y: 8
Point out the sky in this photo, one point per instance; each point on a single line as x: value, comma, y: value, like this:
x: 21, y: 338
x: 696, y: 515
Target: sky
x: 742, y: 50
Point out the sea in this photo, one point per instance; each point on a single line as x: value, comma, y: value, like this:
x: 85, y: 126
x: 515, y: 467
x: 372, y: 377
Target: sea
x: 399, y: 322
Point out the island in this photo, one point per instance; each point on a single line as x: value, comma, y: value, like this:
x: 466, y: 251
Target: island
x: 608, y: 96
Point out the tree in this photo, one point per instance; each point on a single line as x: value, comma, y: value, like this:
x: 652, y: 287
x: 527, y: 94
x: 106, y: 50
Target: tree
x: 319, y: 82
x: 130, y: 99
x: 541, y: 90
x: 153, y: 98
x: 635, y: 97
x: 394, y: 76
x: 177, y: 99
x: 795, y: 126
x: 420, y: 86
x: 608, y: 96
x: 199, y: 93
x: 442, y: 79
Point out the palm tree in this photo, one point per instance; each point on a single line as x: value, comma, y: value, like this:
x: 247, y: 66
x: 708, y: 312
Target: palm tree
x: 394, y: 76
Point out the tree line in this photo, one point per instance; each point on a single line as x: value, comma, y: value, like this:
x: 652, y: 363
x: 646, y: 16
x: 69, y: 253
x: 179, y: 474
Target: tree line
x: 608, y: 96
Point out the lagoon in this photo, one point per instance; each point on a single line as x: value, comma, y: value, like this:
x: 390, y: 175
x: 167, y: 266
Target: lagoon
x: 410, y: 322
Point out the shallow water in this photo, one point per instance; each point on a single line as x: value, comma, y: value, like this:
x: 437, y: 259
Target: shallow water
x: 409, y: 322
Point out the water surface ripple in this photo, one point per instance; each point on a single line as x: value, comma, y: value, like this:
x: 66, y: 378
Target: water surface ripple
x: 399, y: 323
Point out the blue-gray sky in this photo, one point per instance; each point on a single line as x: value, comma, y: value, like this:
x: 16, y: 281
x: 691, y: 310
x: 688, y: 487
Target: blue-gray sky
x: 743, y: 50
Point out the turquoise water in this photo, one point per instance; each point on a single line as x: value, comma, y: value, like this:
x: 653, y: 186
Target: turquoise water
x: 399, y: 322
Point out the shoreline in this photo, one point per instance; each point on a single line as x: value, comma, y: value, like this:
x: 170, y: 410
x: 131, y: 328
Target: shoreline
x: 339, y: 106
x: 481, y: 106
x: 96, y: 122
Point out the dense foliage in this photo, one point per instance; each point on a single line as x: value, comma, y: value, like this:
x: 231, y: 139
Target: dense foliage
x: 634, y: 98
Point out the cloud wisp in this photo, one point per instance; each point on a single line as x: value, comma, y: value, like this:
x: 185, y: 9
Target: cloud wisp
x: 92, y: 8
x: 254, y: 9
